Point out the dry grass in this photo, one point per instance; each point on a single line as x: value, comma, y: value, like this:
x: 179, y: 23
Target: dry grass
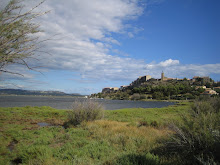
x: 122, y: 134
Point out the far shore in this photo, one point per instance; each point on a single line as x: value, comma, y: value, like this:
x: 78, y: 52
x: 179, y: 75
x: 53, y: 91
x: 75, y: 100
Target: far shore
x: 82, y: 96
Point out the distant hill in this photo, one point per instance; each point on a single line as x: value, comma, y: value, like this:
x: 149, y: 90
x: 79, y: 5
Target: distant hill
x: 33, y: 92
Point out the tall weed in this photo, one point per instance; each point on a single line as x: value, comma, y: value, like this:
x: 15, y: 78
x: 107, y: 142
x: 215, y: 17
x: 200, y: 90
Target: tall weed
x: 196, y: 140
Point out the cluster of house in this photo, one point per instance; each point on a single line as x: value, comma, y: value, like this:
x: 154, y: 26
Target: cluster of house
x: 148, y: 78
x: 109, y: 89
x: 209, y: 91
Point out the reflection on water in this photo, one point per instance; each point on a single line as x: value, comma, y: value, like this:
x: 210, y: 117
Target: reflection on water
x: 66, y: 102
x: 43, y: 124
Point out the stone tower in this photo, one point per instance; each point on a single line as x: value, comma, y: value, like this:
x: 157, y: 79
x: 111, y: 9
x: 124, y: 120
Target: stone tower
x: 162, y: 76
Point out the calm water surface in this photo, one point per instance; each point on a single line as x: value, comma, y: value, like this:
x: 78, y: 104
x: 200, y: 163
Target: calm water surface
x: 66, y: 102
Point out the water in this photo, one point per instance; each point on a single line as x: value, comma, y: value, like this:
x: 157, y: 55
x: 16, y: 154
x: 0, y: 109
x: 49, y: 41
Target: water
x: 43, y: 124
x: 66, y: 102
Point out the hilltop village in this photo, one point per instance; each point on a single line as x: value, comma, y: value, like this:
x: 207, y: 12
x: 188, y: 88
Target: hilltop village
x: 146, y: 87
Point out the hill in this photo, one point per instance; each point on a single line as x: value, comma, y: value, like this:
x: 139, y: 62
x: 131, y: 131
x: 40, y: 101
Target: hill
x: 33, y: 92
x: 164, y: 88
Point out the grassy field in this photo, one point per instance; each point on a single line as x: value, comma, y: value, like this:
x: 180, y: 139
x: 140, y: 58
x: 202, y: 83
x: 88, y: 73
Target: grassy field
x: 161, y: 116
x: 125, y: 136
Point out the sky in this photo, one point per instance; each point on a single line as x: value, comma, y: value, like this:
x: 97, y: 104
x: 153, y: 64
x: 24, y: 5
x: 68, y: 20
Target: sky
x: 108, y: 43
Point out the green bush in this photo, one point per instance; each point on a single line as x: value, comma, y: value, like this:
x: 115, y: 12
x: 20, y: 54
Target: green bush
x: 135, y: 96
x: 197, y: 139
x: 158, y: 95
x: 83, y: 111
x: 142, y: 97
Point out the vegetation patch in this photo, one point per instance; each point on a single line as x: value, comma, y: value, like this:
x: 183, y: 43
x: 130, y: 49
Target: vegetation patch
x: 196, y: 138
x: 161, y: 116
x: 121, y: 137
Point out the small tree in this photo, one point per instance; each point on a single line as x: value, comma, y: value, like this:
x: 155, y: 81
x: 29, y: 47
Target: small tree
x: 158, y: 95
x: 18, y: 39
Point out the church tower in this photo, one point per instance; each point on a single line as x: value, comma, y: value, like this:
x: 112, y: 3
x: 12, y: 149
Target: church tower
x: 162, y: 76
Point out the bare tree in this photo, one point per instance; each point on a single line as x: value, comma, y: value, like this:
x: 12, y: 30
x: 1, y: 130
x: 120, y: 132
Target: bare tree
x: 18, y: 34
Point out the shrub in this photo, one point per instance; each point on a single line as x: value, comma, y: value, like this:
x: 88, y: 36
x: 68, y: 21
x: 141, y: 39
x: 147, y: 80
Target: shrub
x: 154, y: 124
x: 83, y: 111
x: 142, y: 97
x: 197, y: 139
x: 158, y: 95
x: 143, y: 123
x: 135, y: 96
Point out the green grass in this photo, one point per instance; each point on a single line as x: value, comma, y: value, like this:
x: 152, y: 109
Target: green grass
x: 160, y: 115
x: 117, y: 139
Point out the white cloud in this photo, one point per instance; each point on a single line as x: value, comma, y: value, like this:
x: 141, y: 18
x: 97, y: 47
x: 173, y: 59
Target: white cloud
x: 169, y: 62
x: 85, y: 35
x: 173, y: 68
x: 85, y: 40
x: 130, y: 35
x: 18, y: 73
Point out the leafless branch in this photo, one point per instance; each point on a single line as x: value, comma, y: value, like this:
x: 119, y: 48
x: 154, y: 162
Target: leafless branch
x: 18, y: 38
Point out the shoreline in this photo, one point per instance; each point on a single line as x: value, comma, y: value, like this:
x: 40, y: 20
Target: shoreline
x: 43, y: 96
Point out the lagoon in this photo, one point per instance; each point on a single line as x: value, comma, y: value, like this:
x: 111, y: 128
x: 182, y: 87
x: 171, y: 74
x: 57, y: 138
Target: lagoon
x: 67, y: 102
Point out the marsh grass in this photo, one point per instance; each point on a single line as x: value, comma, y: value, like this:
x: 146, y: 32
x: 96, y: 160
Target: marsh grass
x: 106, y: 141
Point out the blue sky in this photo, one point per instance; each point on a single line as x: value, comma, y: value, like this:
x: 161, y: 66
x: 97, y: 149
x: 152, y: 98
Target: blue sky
x: 111, y: 43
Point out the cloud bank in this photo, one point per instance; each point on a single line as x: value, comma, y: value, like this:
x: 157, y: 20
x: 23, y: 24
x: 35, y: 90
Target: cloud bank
x: 85, y: 39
